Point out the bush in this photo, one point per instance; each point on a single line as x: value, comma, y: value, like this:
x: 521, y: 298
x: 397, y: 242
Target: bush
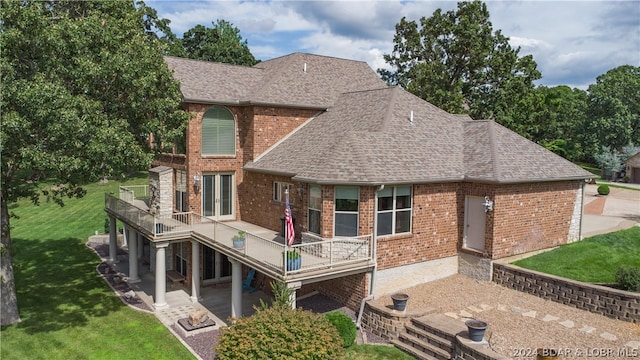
x: 629, y: 278
x: 345, y: 326
x: 603, y: 190
x: 280, y: 333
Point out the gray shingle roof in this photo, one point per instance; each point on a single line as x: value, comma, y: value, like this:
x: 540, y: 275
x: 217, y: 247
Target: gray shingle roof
x: 368, y: 138
x: 209, y: 82
x: 365, y: 136
x: 282, y: 81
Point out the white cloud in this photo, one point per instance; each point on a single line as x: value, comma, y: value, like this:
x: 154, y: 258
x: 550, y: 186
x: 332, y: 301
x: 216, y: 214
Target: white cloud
x: 572, y: 41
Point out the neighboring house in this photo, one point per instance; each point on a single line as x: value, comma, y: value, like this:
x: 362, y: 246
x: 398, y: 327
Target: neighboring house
x: 632, y: 169
x: 387, y: 190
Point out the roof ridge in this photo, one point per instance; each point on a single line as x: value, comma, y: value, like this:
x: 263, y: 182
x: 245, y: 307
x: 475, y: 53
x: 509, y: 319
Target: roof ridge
x: 388, y: 115
x: 269, y: 74
x: 494, y: 151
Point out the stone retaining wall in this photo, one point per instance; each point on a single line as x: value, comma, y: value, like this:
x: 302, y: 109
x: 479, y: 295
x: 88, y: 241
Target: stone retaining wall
x: 617, y: 304
x: 384, y: 322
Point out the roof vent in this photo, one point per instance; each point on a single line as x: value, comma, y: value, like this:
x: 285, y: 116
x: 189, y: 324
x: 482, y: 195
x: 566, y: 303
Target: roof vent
x: 411, y: 118
x: 305, y: 68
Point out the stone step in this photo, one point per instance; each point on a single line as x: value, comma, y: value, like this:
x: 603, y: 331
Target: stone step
x: 423, y: 348
x: 412, y: 351
x: 440, y: 325
x: 431, y: 338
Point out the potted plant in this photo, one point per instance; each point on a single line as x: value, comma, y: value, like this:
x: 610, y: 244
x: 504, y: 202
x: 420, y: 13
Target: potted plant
x: 399, y: 301
x: 238, y: 239
x: 476, y: 329
x: 294, y: 260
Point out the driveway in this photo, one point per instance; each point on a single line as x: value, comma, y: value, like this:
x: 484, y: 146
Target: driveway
x: 617, y: 211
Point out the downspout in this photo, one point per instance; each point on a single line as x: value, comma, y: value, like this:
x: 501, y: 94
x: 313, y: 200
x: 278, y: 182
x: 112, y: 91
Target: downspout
x: 582, y: 183
x: 373, y: 255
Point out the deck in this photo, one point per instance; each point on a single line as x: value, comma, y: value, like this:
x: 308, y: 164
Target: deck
x: 263, y: 250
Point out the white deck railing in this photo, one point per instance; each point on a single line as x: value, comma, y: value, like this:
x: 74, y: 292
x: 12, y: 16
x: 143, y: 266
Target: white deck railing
x: 316, y: 252
x: 134, y: 192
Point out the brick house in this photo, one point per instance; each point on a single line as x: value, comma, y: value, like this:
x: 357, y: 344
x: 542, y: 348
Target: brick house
x: 387, y: 191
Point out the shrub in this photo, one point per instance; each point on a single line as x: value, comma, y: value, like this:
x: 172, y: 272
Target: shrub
x: 603, y: 190
x: 345, y: 326
x: 628, y: 278
x: 280, y: 333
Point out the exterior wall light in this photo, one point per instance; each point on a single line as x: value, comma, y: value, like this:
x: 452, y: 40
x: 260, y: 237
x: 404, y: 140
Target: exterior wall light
x: 197, y: 180
x: 488, y: 204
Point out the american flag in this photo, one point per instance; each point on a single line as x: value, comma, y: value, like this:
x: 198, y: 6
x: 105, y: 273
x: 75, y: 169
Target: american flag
x: 290, y: 233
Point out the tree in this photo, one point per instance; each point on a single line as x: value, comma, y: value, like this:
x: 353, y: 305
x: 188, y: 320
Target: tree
x: 614, y: 109
x: 83, y: 88
x: 457, y: 62
x: 558, y: 122
x: 221, y: 43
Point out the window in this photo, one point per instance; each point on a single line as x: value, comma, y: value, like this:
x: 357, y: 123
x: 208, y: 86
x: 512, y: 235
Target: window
x: 181, y: 258
x: 218, y: 196
x: 315, y: 208
x: 346, y: 211
x: 180, y: 200
x: 394, y: 210
x: 218, y: 132
x: 278, y: 191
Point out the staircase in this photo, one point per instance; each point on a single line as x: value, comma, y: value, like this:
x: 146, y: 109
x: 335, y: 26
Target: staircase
x: 431, y: 337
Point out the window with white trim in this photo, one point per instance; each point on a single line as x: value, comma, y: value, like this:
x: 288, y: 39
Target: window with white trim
x: 218, y: 132
x: 278, y: 191
x: 394, y: 210
x: 346, y: 211
x: 180, y: 200
x: 315, y: 208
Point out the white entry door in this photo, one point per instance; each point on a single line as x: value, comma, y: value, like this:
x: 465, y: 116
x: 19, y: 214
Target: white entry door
x: 474, y: 223
x: 218, y: 196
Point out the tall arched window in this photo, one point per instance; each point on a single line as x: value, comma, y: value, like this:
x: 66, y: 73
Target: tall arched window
x: 218, y: 132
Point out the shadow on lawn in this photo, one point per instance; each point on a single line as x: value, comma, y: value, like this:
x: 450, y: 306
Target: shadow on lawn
x: 57, y: 285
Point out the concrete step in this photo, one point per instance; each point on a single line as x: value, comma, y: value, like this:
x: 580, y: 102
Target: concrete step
x: 420, y: 348
x: 440, y: 325
x: 426, y: 336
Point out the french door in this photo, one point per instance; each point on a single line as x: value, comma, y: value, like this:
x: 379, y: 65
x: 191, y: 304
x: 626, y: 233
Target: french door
x: 218, y: 196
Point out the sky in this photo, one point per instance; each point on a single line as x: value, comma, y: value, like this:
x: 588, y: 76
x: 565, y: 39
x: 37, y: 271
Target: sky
x: 573, y: 42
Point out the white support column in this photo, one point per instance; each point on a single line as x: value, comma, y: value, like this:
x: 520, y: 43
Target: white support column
x: 195, y: 271
x: 133, y: 257
x: 140, y: 247
x: 161, y: 275
x: 236, y: 288
x: 113, y: 241
x: 125, y: 234
x: 294, y: 286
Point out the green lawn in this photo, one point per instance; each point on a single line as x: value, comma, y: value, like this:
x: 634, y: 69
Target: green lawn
x: 67, y: 310
x: 595, y: 259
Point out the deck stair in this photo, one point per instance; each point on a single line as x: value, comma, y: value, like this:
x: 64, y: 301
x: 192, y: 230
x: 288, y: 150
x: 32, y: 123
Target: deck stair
x: 431, y: 337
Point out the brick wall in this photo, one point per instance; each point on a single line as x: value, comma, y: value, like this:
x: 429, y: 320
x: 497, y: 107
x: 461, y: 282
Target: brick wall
x: 258, y: 207
x: 532, y: 216
x: 347, y: 290
x: 258, y: 128
x: 617, y: 304
x: 435, y: 228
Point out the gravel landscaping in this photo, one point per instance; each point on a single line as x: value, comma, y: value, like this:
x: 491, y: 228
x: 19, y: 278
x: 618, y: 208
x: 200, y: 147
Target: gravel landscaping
x: 520, y: 323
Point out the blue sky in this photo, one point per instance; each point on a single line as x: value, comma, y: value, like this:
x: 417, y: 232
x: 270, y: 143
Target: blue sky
x: 572, y: 41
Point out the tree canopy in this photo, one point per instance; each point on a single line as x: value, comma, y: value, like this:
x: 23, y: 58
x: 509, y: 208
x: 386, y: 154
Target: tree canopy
x: 83, y: 89
x: 614, y: 109
x: 220, y: 43
x: 456, y: 61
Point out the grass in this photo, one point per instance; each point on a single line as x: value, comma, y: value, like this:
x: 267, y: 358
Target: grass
x: 593, y: 260
x: 67, y: 310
